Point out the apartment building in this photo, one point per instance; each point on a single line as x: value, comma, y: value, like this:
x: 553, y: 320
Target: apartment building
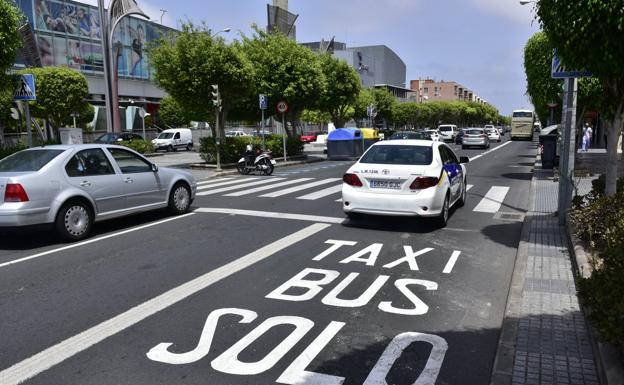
x: 429, y: 89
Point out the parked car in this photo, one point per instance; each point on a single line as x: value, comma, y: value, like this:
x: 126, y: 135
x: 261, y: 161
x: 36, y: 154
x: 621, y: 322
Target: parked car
x: 409, y: 135
x: 115, y: 137
x: 448, y: 132
x: 405, y: 178
x: 235, y: 133
x: 433, y: 134
x: 258, y: 133
x: 475, y: 137
x: 309, y: 137
x: 493, y: 134
x: 174, y: 138
x: 70, y: 187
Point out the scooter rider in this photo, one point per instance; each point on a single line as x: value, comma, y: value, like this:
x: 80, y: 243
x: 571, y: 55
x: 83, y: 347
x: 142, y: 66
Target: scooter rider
x: 250, y: 156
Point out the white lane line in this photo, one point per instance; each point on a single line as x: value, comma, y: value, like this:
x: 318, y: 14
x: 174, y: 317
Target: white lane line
x: 451, y: 262
x: 299, y: 188
x: 469, y: 186
x: 218, y: 184
x: 239, y: 186
x: 493, y: 200
x: 322, y: 193
x: 211, y: 181
x: 263, y: 188
x: 74, y: 245
x: 489, y: 151
x: 269, y: 214
x: 58, y: 353
x: 339, y: 200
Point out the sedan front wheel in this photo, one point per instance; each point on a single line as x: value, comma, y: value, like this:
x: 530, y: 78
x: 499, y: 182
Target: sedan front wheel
x: 180, y: 199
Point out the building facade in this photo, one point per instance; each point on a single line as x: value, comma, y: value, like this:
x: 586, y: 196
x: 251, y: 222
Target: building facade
x: 68, y: 33
x: 429, y: 89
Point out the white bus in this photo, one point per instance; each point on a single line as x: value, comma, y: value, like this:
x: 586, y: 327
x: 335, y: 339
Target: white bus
x: 522, y: 124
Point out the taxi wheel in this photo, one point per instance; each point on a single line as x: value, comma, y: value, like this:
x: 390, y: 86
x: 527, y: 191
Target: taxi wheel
x: 462, y: 199
x: 444, y: 215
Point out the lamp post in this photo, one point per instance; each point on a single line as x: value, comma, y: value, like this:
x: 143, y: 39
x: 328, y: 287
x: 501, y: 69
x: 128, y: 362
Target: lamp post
x: 525, y: 2
x: 225, y: 30
x: 109, y: 19
x: 163, y: 11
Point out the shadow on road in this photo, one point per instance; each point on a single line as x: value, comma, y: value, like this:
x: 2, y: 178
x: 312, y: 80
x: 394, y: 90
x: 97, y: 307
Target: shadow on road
x: 518, y: 175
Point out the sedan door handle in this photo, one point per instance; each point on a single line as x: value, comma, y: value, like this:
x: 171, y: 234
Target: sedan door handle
x: 85, y: 184
x: 129, y: 180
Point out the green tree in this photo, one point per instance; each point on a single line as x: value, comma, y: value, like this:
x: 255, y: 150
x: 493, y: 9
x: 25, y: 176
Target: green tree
x: 10, y: 42
x: 188, y: 62
x: 315, y: 116
x: 341, y: 89
x: 593, y: 43
x: 284, y: 70
x: 171, y: 113
x: 541, y: 87
x: 60, y: 92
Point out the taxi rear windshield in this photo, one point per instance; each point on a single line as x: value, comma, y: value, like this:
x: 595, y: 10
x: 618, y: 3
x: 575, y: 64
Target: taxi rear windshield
x: 25, y: 161
x: 401, y: 154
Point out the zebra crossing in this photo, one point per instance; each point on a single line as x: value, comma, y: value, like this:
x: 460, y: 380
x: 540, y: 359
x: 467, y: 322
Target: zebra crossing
x: 312, y: 167
x: 311, y: 189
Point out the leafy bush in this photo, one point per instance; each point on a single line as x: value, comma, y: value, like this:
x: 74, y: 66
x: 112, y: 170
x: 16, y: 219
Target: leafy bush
x: 599, y: 222
x: 139, y: 145
x: 232, y: 149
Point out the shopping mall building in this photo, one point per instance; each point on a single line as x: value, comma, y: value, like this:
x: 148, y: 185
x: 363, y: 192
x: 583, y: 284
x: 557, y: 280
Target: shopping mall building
x: 67, y: 33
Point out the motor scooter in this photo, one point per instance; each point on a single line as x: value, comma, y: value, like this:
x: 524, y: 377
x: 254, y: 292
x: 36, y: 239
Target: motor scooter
x: 251, y: 162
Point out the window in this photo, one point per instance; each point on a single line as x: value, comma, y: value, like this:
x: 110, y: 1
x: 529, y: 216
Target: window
x: 176, y: 136
x: 401, y: 154
x: 130, y: 163
x: 448, y: 156
x: 522, y: 114
x: 31, y: 160
x: 88, y: 163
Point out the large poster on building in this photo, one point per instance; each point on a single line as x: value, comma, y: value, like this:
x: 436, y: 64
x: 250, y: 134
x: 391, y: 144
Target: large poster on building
x: 70, y: 18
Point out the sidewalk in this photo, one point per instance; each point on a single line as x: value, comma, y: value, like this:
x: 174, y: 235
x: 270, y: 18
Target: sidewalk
x: 545, y: 338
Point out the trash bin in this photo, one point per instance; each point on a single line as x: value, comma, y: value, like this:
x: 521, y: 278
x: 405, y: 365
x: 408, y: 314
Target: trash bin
x: 548, y: 149
x: 344, y: 143
x: 371, y: 136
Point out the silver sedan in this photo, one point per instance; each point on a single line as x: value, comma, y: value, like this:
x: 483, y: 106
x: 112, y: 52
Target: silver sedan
x: 73, y: 186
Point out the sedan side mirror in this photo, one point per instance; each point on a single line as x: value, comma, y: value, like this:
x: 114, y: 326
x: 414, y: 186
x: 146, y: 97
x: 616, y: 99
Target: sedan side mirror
x: 464, y: 159
x: 154, y: 168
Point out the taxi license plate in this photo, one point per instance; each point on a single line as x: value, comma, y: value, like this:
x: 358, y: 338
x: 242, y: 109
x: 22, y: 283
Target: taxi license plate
x: 387, y: 184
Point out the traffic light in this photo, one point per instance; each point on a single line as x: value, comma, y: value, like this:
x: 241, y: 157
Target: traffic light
x: 216, y: 97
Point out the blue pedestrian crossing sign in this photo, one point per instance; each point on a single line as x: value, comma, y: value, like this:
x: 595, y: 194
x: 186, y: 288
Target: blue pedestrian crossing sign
x: 560, y: 72
x: 25, y: 89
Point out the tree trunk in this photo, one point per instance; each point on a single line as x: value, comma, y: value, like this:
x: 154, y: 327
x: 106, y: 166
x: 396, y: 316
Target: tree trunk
x: 614, y: 129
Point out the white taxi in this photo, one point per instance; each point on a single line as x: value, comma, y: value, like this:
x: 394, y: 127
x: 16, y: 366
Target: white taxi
x: 416, y: 178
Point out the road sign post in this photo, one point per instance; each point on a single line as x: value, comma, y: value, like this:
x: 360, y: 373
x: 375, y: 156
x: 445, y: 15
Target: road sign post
x: 216, y: 101
x: 282, y: 108
x: 264, y: 104
x: 24, y: 93
x: 568, y: 145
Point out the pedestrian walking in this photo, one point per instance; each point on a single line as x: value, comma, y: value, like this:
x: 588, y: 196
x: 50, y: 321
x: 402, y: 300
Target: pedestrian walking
x: 587, y: 135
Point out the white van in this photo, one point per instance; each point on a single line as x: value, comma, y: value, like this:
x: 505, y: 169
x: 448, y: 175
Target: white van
x: 447, y: 132
x: 173, y: 139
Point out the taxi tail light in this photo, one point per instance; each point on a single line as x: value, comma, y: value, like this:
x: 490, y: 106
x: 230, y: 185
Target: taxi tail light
x: 14, y: 192
x: 423, y: 182
x: 352, y: 180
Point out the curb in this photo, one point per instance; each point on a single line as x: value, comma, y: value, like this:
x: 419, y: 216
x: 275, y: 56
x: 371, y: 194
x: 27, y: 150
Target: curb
x: 610, y: 368
x: 502, y: 370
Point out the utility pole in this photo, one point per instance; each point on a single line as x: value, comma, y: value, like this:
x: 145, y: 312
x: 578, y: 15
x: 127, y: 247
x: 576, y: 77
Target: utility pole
x: 568, y: 148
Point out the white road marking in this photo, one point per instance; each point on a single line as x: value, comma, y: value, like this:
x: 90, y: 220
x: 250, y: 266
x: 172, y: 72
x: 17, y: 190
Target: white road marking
x: 219, y: 184
x: 210, y: 181
x: 322, y: 193
x: 268, y: 214
x: 58, y: 353
x: 239, y: 186
x: 451, y: 262
x: 489, y: 151
x: 339, y: 200
x: 263, y: 188
x: 493, y: 200
x: 468, y: 187
x: 299, y: 188
x: 74, y: 245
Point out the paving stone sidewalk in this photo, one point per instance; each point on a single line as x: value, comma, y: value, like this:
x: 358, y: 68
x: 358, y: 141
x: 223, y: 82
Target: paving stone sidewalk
x: 553, y: 344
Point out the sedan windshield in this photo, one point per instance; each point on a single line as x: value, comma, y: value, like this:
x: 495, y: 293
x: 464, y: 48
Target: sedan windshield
x: 165, y: 135
x: 403, y: 154
x: 25, y: 161
x: 107, y: 138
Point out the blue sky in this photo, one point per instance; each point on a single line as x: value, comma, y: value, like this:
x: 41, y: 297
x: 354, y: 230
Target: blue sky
x: 477, y: 43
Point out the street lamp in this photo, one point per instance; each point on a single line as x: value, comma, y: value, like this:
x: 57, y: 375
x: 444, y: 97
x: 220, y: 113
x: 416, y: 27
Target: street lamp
x: 225, y: 30
x: 117, y: 9
x: 162, y: 14
x: 525, y: 2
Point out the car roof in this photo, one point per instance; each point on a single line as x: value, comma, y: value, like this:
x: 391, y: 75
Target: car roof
x: 76, y: 146
x: 411, y: 142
